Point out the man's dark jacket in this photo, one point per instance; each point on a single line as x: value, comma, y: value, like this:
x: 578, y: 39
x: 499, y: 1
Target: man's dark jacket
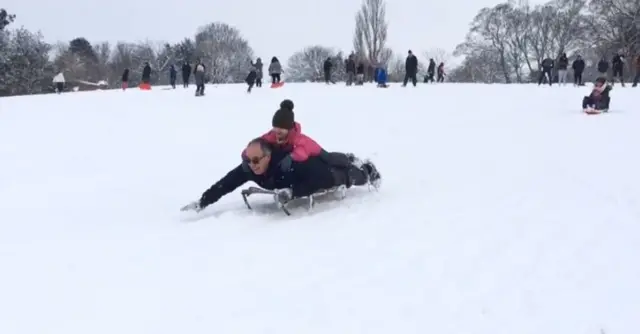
x: 304, y: 178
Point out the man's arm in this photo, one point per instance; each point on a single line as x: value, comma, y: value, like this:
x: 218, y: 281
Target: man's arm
x: 230, y: 182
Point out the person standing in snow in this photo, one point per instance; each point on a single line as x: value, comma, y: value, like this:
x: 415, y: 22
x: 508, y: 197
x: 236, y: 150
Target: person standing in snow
x: 441, y: 73
x: 618, y: 67
x: 251, y: 77
x: 59, y: 81
x: 327, y: 67
x: 275, y: 70
x: 173, y: 76
x: 125, y: 79
x: 547, y: 67
x: 350, y: 67
x: 578, y: 67
x: 186, y: 74
x: 636, y: 80
x: 411, y: 70
x: 563, y: 64
x: 199, y: 73
x: 146, y: 73
x: 259, y: 71
x: 431, y: 71
x: 360, y: 74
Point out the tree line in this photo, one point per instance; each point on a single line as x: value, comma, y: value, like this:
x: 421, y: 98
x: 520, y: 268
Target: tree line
x: 507, y: 43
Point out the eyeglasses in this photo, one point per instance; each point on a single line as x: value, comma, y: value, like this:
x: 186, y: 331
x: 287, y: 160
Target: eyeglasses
x: 255, y: 160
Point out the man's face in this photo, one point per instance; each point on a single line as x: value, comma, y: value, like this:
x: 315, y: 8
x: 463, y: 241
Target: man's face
x: 281, y: 135
x: 258, y: 160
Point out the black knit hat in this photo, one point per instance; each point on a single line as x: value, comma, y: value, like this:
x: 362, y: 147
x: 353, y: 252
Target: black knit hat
x: 283, y: 119
x: 286, y: 104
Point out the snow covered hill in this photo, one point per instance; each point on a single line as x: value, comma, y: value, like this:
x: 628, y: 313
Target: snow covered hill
x: 503, y: 210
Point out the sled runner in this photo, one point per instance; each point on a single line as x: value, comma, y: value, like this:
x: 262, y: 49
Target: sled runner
x: 340, y: 191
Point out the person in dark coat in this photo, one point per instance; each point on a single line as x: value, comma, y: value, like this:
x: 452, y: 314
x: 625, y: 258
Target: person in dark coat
x: 173, y: 76
x: 146, y: 73
x: 360, y: 74
x: 441, y: 73
x: 599, y: 98
x: 411, y: 70
x: 125, y: 79
x: 578, y: 66
x: 603, y: 67
x: 547, y: 67
x: 259, y: 71
x: 302, y: 179
x: 186, y: 74
x: 328, y: 66
x: 431, y: 71
x: 350, y: 68
x: 251, y: 77
x: 618, y: 68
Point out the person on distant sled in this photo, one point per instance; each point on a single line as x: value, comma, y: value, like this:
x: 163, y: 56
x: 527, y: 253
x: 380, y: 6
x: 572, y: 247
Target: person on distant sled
x: 303, y: 179
x: 599, y: 98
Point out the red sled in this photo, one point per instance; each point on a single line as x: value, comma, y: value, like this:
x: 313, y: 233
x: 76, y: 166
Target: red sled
x: 277, y: 85
x: 594, y: 111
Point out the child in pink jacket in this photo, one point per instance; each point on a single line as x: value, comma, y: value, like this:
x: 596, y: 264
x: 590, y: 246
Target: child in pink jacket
x: 287, y: 135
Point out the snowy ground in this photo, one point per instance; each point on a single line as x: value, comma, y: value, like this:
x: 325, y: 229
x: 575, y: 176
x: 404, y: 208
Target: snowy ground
x: 504, y: 210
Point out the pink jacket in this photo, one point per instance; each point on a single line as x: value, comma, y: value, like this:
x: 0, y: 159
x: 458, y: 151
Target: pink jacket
x: 302, y: 147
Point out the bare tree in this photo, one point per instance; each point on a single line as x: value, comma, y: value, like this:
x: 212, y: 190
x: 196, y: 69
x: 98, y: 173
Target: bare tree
x: 225, y: 53
x: 370, y: 35
x: 308, y: 64
x: 5, y: 18
x: 490, y: 31
x: 438, y: 55
x: 615, y: 25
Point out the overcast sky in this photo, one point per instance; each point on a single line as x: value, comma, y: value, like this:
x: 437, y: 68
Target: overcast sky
x: 272, y: 27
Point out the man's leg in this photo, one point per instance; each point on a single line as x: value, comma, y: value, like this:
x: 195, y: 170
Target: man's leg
x: 541, y: 77
x: 587, y: 102
x: 348, y: 170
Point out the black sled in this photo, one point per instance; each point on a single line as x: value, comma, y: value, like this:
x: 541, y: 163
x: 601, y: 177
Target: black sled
x: 340, y: 191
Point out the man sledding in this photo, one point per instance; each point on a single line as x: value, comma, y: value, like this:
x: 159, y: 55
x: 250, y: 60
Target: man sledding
x: 262, y: 165
x: 599, y: 99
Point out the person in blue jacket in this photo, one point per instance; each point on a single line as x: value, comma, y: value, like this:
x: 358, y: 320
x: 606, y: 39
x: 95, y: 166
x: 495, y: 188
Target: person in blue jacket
x: 381, y: 77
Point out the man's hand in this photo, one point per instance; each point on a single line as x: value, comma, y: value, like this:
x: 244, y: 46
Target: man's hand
x: 283, y: 196
x: 194, y: 206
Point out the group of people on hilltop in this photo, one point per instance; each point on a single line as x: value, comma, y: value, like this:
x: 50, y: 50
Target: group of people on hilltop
x: 578, y: 66
x: 356, y: 70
